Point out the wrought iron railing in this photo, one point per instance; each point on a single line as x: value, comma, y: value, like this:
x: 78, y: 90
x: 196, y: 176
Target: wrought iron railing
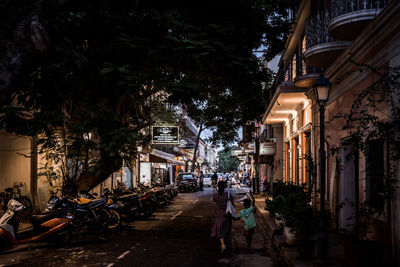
x: 340, y: 7
x: 317, y: 29
x: 302, y: 69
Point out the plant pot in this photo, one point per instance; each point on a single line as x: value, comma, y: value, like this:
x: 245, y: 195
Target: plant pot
x: 290, y: 235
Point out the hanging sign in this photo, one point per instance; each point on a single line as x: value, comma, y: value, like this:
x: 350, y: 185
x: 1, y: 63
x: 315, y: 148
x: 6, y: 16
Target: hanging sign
x: 165, y: 135
x: 250, y: 147
x: 268, y: 147
x: 236, y: 153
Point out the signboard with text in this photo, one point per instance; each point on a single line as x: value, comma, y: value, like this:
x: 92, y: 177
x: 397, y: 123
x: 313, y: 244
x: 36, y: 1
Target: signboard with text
x: 165, y: 135
x: 235, y: 153
x: 250, y: 147
x: 268, y: 147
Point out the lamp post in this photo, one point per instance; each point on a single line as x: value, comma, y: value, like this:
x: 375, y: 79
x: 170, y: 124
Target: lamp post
x: 321, y: 90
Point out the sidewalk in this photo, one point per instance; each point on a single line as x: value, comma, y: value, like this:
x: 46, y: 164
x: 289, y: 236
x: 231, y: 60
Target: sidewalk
x: 336, y: 252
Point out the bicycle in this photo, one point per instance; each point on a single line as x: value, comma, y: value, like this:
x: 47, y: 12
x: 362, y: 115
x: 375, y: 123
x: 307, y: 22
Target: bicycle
x: 15, y: 193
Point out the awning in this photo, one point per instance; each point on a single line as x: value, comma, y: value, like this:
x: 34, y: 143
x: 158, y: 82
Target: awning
x: 159, y: 156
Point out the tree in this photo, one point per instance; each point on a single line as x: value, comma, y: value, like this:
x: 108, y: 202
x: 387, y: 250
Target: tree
x: 226, y: 163
x: 104, y: 62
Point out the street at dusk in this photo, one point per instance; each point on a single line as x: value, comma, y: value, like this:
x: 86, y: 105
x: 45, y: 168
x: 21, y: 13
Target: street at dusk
x: 200, y: 133
x: 177, y: 235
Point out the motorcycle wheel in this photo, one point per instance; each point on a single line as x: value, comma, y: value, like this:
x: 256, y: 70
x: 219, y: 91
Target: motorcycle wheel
x: 113, y: 220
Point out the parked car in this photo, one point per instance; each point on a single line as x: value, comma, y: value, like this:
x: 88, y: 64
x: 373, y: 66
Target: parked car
x: 207, y: 179
x: 187, y: 176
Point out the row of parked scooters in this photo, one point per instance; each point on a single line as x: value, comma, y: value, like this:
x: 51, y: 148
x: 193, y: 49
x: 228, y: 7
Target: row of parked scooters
x: 64, y: 217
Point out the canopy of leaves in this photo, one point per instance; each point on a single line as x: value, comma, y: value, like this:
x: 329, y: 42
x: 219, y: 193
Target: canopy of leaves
x: 226, y: 163
x: 108, y: 62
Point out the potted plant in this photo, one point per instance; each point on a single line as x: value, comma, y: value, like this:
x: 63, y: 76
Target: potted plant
x: 292, y: 204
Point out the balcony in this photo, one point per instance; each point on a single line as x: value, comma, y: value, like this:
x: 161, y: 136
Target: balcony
x: 349, y: 17
x: 306, y: 75
x: 321, y: 49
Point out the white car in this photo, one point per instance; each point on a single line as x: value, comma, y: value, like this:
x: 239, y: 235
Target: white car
x: 207, y: 179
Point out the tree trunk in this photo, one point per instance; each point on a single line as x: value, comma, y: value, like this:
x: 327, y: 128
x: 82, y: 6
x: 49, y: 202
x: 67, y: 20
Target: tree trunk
x: 196, y: 146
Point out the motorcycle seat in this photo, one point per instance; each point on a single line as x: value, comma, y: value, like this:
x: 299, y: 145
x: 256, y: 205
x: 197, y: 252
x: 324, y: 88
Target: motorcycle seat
x: 93, y: 203
x: 45, y: 216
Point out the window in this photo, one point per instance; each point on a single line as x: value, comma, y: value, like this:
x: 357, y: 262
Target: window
x: 375, y: 171
x: 306, y: 115
x: 287, y: 162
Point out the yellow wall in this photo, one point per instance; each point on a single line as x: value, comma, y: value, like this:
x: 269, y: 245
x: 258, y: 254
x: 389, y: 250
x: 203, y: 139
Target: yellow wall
x: 14, y: 167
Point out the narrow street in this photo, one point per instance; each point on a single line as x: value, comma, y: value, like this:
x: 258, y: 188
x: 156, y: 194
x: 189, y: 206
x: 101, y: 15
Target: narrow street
x: 177, y: 235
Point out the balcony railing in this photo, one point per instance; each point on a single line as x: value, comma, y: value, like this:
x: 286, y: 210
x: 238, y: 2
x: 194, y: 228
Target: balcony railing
x: 341, y: 7
x: 302, y: 69
x: 317, y: 29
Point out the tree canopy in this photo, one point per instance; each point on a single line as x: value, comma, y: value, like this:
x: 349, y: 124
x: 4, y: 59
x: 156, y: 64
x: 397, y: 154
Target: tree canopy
x: 103, y: 64
x: 226, y: 163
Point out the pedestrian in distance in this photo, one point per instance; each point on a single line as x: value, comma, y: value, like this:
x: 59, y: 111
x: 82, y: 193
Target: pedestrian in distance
x: 222, y: 223
x: 214, y: 180
x: 201, y: 180
x: 247, y: 213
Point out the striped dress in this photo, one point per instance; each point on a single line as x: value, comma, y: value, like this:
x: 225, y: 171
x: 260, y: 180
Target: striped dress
x: 222, y: 224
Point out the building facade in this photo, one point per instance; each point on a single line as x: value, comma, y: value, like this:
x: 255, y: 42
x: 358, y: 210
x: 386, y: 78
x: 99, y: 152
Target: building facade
x: 353, y: 44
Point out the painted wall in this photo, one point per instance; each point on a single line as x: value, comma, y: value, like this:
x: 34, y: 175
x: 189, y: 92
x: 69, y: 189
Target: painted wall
x: 279, y: 158
x: 14, y: 166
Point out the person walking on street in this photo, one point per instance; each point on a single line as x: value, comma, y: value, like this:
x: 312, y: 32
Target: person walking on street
x: 201, y: 180
x: 214, y: 180
x: 247, y: 213
x: 222, y: 222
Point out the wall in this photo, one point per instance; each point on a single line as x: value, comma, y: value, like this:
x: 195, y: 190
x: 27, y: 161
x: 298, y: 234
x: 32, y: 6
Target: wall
x: 14, y: 166
x: 394, y: 62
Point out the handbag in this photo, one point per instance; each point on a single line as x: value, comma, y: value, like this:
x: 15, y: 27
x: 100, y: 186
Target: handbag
x: 230, y: 209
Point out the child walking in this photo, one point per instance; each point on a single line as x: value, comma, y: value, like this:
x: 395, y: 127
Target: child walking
x: 249, y: 222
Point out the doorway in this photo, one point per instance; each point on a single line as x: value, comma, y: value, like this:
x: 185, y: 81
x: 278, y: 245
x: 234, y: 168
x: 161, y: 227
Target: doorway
x: 347, y: 187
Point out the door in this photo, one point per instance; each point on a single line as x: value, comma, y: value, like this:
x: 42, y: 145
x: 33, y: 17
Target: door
x: 347, y: 188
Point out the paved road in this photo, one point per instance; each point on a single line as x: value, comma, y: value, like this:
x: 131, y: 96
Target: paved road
x: 177, y: 235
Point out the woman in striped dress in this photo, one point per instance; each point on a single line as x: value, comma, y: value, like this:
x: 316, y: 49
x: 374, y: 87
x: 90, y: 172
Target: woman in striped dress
x: 222, y: 223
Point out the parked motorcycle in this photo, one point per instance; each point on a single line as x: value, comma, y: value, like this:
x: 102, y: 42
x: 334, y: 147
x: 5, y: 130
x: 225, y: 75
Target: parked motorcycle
x: 54, y: 226
x: 91, y: 213
x: 15, y: 193
x: 131, y: 205
x: 161, y: 194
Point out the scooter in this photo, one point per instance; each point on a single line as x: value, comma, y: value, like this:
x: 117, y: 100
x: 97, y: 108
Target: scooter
x: 89, y: 212
x: 45, y: 226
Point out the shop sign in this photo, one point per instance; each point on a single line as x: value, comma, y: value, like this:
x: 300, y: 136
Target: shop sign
x: 165, y: 135
x: 250, y: 147
x: 236, y: 153
x: 268, y: 147
x: 183, y: 143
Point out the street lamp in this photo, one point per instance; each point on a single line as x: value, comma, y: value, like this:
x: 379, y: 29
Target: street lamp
x: 321, y: 90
